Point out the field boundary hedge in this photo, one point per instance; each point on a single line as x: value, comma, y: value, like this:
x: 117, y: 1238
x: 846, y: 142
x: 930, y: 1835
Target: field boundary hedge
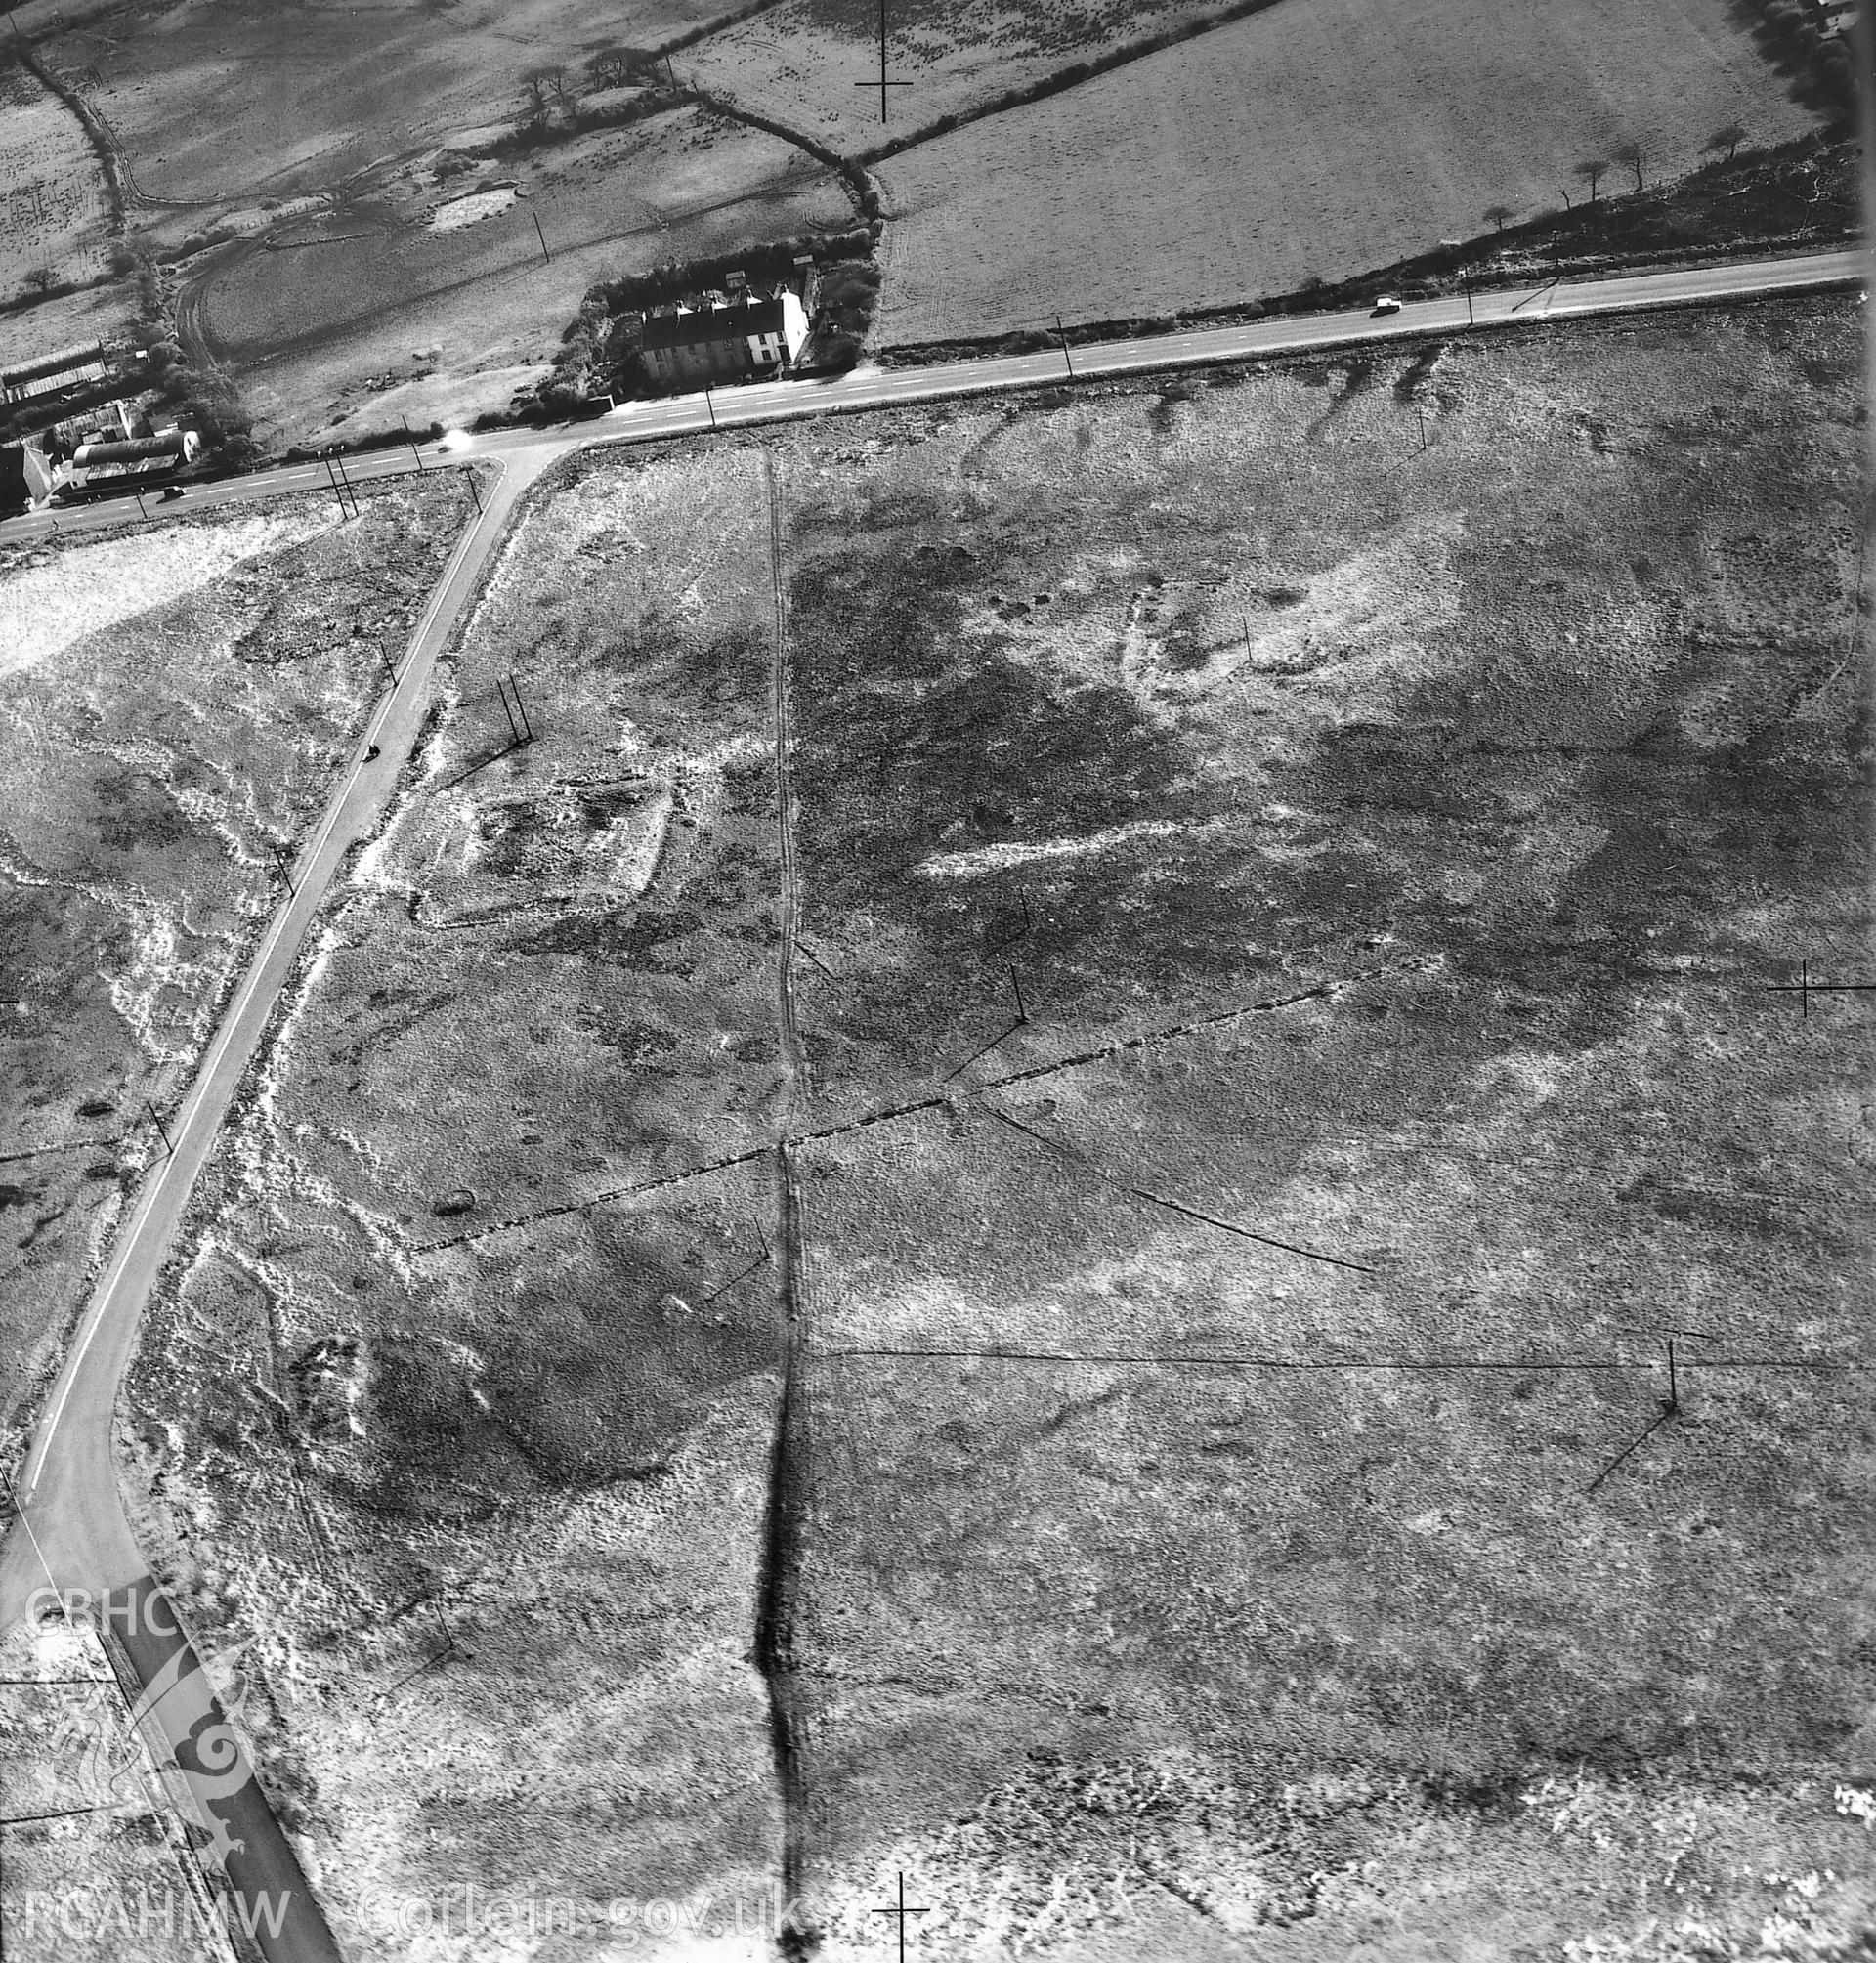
x: 1070, y: 77
x: 852, y: 171
x: 97, y: 131
x: 704, y: 29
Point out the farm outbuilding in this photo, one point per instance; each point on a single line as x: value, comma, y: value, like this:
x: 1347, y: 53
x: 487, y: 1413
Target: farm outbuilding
x: 102, y: 467
x: 178, y: 446
x: 54, y: 374
x: 751, y: 336
x: 25, y: 477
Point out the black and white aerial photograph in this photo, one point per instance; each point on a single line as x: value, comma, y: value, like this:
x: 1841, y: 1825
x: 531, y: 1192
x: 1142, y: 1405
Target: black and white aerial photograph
x: 937, y: 1010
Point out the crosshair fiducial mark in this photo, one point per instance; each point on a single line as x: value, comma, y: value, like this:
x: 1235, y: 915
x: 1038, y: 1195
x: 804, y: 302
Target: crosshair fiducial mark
x: 901, y: 1911
x: 884, y: 82
x: 1804, y: 987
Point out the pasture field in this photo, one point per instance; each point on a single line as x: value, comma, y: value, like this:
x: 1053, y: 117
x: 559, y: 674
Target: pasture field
x: 173, y: 703
x: 374, y: 313
x: 806, y: 63
x: 1184, y: 1444
x: 218, y: 103
x: 65, y: 321
x: 54, y: 208
x: 1321, y: 138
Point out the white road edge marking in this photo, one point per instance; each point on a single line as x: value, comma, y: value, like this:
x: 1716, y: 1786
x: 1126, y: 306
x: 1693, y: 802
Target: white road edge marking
x: 224, y: 1035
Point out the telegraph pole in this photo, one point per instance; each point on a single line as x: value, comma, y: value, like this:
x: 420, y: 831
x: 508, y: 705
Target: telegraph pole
x: 1465, y: 274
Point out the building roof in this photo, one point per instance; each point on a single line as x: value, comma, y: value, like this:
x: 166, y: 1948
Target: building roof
x: 170, y: 443
x: 712, y: 323
x: 89, y: 355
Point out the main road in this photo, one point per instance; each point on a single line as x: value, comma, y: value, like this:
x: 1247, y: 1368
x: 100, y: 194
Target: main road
x: 70, y: 1534
x: 879, y: 388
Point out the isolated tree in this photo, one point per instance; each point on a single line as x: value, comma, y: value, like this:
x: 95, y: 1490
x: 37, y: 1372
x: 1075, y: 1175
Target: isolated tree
x: 537, y: 95
x: 1631, y: 157
x: 561, y: 90
x: 608, y: 69
x: 1727, y: 137
x: 1592, y: 173
x: 40, y: 280
x: 1495, y: 216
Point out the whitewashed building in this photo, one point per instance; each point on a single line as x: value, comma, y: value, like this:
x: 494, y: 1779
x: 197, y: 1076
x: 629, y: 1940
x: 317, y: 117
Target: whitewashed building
x: 725, y: 340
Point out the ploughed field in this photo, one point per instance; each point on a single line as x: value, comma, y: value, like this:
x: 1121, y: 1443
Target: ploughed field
x: 1279, y: 921
x: 1308, y: 140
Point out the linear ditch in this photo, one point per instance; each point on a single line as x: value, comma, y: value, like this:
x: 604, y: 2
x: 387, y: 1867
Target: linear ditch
x: 778, y: 1588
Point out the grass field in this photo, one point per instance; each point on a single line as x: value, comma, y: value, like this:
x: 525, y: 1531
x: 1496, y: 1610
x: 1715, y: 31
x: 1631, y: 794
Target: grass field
x: 370, y: 313
x: 1392, y: 847
x: 65, y: 321
x: 806, y: 63
x: 1316, y: 138
x: 52, y: 203
x: 172, y: 703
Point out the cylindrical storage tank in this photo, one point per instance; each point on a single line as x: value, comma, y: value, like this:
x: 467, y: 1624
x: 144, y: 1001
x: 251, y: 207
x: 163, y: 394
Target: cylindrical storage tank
x: 136, y: 449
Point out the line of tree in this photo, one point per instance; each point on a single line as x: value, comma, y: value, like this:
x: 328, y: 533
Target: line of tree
x: 1722, y: 146
x: 1629, y: 156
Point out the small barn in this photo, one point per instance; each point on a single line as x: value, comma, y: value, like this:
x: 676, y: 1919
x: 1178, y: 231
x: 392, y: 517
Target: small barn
x: 54, y: 374
x: 102, y: 466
